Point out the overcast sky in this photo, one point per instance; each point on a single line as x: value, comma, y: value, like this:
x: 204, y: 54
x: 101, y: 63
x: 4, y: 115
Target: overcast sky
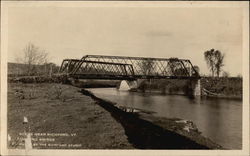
x: 150, y: 32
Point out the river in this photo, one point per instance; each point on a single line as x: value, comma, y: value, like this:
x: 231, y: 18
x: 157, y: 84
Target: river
x: 218, y: 119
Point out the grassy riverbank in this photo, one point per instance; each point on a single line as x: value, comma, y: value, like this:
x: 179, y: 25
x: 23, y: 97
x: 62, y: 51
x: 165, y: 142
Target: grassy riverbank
x: 150, y: 132
x: 56, y: 109
x: 61, y: 117
x: 227, y: 87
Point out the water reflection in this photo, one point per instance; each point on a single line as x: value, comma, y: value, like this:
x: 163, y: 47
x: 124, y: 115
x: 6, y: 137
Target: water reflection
x: 218, y: 119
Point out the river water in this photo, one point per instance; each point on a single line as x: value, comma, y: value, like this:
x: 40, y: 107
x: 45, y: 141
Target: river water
x: 218, y: 119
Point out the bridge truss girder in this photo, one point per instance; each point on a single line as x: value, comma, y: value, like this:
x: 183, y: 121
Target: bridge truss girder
x: 120, y: 67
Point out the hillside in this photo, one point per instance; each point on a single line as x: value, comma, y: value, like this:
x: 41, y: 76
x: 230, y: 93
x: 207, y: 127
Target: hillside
x: 19, y: 69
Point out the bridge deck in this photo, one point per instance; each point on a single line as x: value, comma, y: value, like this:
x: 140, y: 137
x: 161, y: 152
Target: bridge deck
x: 123, y: 77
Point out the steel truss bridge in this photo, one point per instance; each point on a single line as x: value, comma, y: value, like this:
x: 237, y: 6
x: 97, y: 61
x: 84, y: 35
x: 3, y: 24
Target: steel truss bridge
x: 127, y: 68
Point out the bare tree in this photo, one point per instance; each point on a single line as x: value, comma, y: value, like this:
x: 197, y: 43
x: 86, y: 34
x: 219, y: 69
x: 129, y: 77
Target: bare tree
x: 214, y: 59
x: 197, y: 69
x: 219, y: 58
x: 177, y: 68
x: 146, y: 66
x: 209, y: 59
x: 32, y: 57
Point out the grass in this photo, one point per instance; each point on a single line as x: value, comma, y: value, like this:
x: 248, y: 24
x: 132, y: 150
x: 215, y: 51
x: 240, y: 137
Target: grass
x: 57, y: 108
x: 226, y: 86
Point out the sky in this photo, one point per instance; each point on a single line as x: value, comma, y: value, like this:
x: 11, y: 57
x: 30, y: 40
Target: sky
x: 72, y: 32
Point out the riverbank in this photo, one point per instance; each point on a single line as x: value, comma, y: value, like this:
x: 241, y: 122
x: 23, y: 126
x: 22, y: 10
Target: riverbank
x: 150, y: 132
x: 218, y: 87
x: 60, y: 117
x: 222, y: 87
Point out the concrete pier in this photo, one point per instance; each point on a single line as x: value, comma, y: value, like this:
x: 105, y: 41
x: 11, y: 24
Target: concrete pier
x: 197, y: 89
x: 126, y: 85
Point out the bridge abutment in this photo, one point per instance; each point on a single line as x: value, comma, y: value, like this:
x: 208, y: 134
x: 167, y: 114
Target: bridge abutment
x: 197, y: 90
x: 195, y: 87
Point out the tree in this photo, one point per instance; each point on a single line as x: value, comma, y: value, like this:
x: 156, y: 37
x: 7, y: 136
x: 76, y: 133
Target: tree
x: 146, y: 66
x: 197, y: 69
x: 49, y: 68
x: 219, y: 58
x: 33, y: 57
x: 177, y: 68
x: 214, y: 59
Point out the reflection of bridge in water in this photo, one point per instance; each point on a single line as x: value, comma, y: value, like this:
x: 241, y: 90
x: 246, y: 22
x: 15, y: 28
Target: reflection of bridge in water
x: 128, y: 68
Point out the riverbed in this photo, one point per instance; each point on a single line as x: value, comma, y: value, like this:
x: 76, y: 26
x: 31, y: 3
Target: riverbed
x: 217, y: 119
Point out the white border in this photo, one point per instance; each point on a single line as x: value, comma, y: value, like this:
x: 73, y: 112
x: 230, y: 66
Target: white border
x: 180, y: 4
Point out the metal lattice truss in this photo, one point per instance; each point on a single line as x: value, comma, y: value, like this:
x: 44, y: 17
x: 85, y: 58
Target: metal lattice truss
x: 120, y: 67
